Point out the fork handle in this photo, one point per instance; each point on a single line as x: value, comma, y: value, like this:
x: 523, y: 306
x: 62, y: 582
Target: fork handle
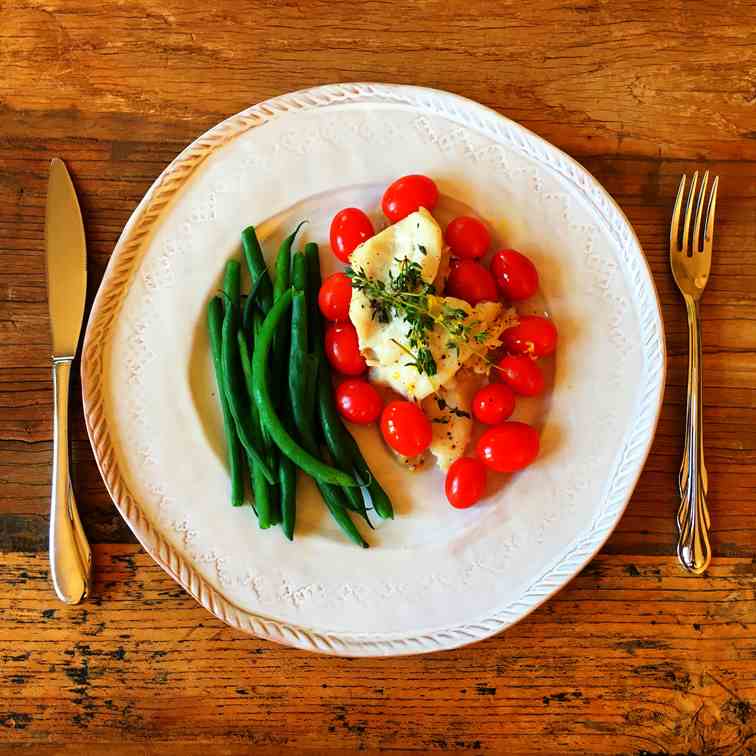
x: 693, y: 521
x: 70, y: 556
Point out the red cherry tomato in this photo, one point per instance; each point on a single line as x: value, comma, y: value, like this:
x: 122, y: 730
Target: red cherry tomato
x: 465, y: 482
x: 521, y: 374
x: 343, y: 350
x: 467, y: 237
x: 516, y: 275
x: 533, y: 335
x: 349, y: 228
x: 470, y: 281
x: 358, y: 401
x: 334, y: 297
x: 405, y: 428
x: 508, y: 447
x: 407, y: 194
x: 493, y: 404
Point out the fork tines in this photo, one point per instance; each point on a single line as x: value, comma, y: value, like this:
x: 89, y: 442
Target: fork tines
x: 681, y: 237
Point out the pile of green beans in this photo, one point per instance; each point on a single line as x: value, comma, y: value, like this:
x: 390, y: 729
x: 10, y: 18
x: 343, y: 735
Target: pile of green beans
x: 276, y: 395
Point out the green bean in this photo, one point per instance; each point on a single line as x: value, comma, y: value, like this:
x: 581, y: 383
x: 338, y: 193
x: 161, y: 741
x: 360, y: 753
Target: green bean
x: 287, y: 483
x: 249, y: 304
x: 333, y: 433
x: 232, y: 381
x: 257, y: 268
x: 260, y: 486
x: 301, y: 333
x: 344, y: 449
x: 312, y: 255
x: 309, y: 463
x: 233, y: 448
x: 284, y: 264
x: 333, y: 430
x: 246, y: 366
x: 281, y: 282
x: 333, y: 498
x: 248, y: 312
x: 378, y: 497
x: 303, y: 365
x: 232, y: 287
x: 250, y: 469
x: 300, y: 375
x: 302, y: 411
x: 271, y: 450
x: 299, y: 282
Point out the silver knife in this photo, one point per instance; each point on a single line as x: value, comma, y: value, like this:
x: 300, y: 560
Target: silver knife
x: 66, y: 256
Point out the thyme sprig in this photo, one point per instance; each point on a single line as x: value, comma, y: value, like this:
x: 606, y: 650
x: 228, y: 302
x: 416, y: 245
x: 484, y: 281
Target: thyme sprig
x: 408, y: 296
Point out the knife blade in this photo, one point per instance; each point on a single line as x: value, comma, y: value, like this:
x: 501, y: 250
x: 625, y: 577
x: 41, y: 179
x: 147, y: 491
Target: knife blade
x: 66, y: 257
x: 66, y: 267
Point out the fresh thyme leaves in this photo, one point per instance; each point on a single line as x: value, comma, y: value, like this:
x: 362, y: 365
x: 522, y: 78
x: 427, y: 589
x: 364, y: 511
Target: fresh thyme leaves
x: 409, y: 279
x: 422, y: 360
x: 423, y: 250
x: 408, y: 296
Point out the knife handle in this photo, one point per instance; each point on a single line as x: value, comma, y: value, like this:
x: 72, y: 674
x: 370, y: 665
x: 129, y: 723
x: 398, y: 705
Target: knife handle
x: 70, y: 557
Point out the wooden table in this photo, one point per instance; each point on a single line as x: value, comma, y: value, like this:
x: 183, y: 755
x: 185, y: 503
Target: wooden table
x: 633, y: 656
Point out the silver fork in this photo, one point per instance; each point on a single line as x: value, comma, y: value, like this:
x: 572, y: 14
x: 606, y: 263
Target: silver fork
x: 690, y: 244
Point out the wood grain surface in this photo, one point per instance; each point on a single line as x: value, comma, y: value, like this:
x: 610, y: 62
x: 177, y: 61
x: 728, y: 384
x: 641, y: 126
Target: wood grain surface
x: 633, y: 656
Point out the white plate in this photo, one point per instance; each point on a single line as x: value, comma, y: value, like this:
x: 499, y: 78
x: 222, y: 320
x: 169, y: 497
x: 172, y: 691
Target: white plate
x: 436, y: 577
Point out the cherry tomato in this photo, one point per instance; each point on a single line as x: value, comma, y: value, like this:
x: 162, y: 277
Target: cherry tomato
x: 508, y: 447
x: 358, y: 401
x: 470, y: 281
x: 533, y: 335
x: 407, y: 194
x: 467, y: 237
x: 465, y: 482
x: 343, y: 350
x: 516, y: 275
x: 405, y: 428
x: 493, y: 404
x: 521, y: 374
x: 349, y: 228
x: 334, y: 297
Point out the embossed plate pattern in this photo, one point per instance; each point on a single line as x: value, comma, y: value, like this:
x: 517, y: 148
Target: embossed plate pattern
x: 436, y: 578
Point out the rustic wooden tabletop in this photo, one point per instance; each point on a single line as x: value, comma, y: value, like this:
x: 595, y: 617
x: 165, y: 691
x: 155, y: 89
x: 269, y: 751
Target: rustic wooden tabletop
x: 633, y: 656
